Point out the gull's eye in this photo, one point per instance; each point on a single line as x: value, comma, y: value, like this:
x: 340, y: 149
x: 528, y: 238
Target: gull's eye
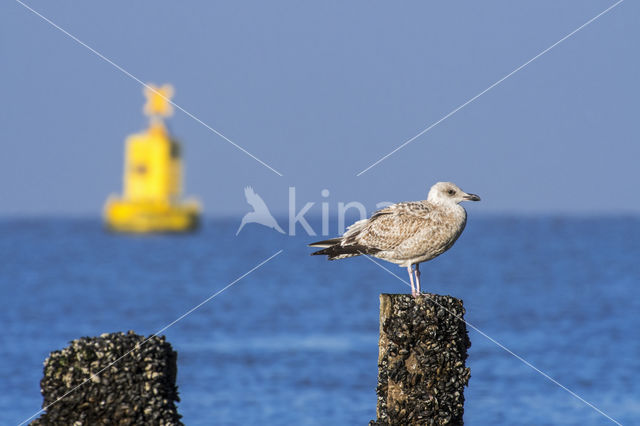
x: 451, y: 192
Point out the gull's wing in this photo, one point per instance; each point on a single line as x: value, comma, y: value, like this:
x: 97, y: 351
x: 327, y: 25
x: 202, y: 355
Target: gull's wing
x: 390, y: 227
x: 255, y: 200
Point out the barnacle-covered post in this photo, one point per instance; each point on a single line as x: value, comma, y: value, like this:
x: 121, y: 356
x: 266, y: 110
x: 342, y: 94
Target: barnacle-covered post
x: 421, y: 364
x: 114, y: 379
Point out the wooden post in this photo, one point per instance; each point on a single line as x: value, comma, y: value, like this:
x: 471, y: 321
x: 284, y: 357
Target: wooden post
x: 421, y: 364
x: 137, y: 389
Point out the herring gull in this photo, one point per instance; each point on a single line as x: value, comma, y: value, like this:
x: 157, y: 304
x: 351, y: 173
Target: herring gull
x: 406, y: 233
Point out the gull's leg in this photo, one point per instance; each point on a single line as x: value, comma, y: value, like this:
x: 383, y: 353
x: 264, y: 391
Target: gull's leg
x: 410, y: 270
x: 418, y: 279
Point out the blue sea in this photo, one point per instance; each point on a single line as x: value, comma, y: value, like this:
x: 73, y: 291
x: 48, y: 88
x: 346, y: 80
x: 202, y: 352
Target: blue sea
x: 295, y: 341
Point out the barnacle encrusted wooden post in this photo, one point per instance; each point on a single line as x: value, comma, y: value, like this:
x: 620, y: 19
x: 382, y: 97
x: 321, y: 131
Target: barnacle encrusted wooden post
x: 423, y: 347
x: 136, y: 387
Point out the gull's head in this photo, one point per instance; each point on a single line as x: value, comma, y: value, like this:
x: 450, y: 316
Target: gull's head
x: 449, y: 193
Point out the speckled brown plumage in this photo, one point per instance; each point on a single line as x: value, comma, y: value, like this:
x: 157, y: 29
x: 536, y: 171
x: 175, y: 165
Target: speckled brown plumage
x: 406, y: 233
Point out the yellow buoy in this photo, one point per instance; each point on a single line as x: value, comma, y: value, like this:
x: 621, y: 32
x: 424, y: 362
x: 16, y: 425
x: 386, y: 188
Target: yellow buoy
x: 151, y: 201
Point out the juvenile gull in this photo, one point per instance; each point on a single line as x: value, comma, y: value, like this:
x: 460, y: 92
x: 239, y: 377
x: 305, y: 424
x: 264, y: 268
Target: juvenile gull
x: 406, y: 233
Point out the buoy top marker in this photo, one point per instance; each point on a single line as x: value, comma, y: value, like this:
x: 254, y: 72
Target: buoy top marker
x: 158, y: 101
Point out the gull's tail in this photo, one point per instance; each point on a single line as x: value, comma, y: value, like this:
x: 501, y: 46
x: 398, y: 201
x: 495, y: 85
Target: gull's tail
x: 334, y: 250
x: 326, y: 243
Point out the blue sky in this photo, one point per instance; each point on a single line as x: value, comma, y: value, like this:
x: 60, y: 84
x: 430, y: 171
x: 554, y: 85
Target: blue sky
x: 321, y: 90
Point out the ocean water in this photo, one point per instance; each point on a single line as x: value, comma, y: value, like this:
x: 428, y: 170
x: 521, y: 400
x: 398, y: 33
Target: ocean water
x: 295, y: 341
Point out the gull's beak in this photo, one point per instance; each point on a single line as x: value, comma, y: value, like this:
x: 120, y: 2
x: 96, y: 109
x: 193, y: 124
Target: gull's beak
x: 471, y: 197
